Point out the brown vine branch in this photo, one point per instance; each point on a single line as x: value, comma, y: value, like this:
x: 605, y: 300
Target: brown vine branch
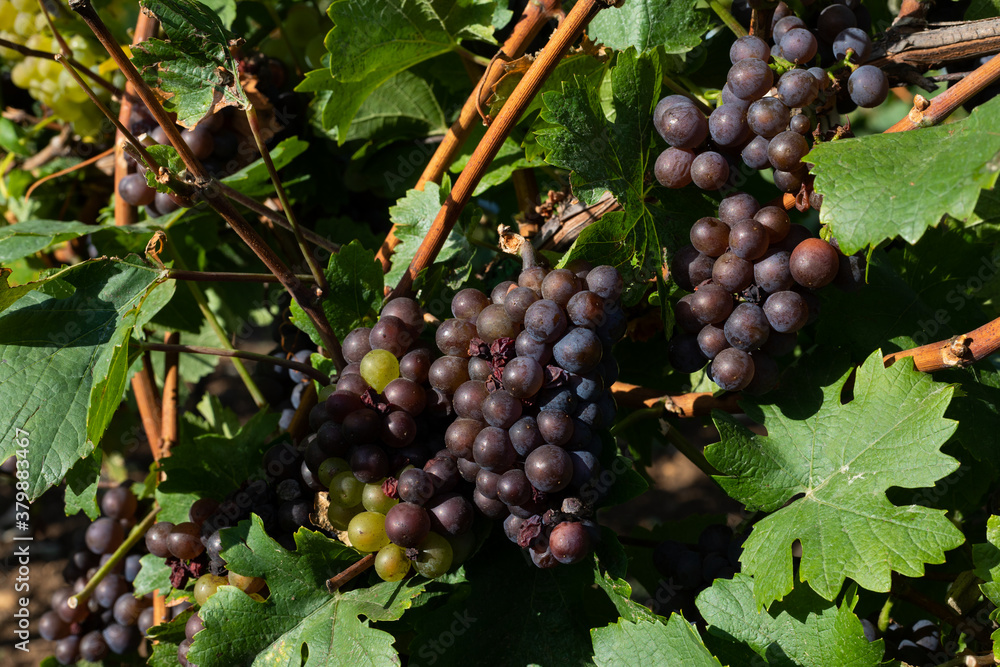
x: 171, y: 361
x: 956, y: 352
x: 203, y: 181
x: 305, y: 369
x: 925, y: 115
x: 276, y: 217
x: 929, y: 48
x: 228, y: 277
x: 125, y: 214
x: 148, y: 400
x: 335, y: 582
x: 35, y: 53
x: 528, y: 26
x: 567, y: 32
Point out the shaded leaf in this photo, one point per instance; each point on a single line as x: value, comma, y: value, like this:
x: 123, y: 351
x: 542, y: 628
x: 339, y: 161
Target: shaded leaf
x: 627, y: 643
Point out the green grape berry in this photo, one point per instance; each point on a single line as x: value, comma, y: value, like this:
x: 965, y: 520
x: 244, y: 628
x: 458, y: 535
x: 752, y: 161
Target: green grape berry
x: 435, y: 556
x: 379, y: 368
x: 340, y: 517
x: 346, y: 490
x: 367, y: 532
x: 391, y: 563
x: 375, y: 500
x: 206, y: 587
x: 330, y: 468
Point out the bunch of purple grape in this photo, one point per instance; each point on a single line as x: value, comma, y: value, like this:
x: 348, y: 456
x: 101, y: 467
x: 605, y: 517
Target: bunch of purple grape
x: 752, y: 273
x: 112, y: 620
x: 763, y: 119
x: 531, y: 398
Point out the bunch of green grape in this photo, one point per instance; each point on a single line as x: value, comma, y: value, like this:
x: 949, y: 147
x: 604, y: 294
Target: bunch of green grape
x: 22, y: 22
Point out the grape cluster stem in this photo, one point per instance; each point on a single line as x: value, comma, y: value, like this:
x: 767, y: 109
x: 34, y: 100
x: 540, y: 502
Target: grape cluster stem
x: 335, y: 582
x: 221, y: 205
x: 136, y: 534
x: 535, y: 15
x: 567, y: 32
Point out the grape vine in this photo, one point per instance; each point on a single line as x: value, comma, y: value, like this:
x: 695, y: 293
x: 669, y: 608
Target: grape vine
x: 451, y: 332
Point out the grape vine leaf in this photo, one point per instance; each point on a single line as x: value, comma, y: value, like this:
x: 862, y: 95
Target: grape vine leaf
x: 886, y: 185
x: 253, y: 179
x: 676, y: 25
x: 613, y: 156
x: 63, y: 375
x: 215, y: 464
x: 9, y: 294
x: 82, y: 481
x: 987, y: 559
x: 31, y: 236
x: 982, y: 9
x: 166, y: 637
x: 404, y: 106
x: 630, y: 644
x: 803, y: 630
x: 824, y: 476
x: 299, y: 616
x: 413, y: 216
x: 372, y: 42
x: 193, y: 68
x: 537, y: 616
x: 355, y: 295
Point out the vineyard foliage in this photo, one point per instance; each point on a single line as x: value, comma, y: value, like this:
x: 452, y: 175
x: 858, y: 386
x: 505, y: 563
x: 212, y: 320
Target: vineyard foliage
x: 866, y: 491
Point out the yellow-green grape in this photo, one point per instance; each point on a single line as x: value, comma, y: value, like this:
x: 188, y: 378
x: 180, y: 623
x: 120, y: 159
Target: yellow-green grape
x: 379, y: 368
x: 391, y: 563
x: 330, y: 468
x: 324, y: 392
x: 435, y: 556
x: 367, y: 532
x: 340, y: 517
x: 25, y: 5
x: 346, y: 490
x: 206, y: 586
x: 248, y: 585
x: 375, y: 500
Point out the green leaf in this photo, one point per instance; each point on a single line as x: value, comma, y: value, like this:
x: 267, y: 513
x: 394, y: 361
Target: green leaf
x: 676, y: 25
x: 509, y: 159
x: 536, y: 616
x: 803, y: 630
x: 154, y: 573
x: 394, y: 35
x: 614, y: 156
x: 630, y: 644
x: 215, y: 464
x: 620, y: 594
x: 168, y: 636
x: 372, y: 42
x: 299, y: 616
x: 886, y: 185
x: 823, y: 471
x: 63, y: 361
x: 402, y: 107
x: 355, y: 295
x: 194, y: 68
x: 413, y: 216
x: 987, y: 559
x: 8, y: 294
x: 253, y: 179
x: 31, y: 236
x: 982, y: 9
x: 589, y: 66
x: 81, y: 485
x: 14, y: 138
